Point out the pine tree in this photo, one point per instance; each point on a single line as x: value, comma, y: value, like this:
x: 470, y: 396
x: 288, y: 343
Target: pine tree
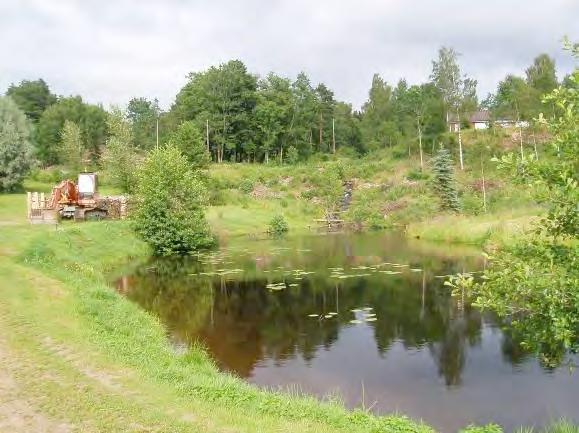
x: 444, y: 184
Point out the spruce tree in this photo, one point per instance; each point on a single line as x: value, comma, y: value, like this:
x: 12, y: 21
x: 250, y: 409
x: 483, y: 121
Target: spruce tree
x: 444, y: 184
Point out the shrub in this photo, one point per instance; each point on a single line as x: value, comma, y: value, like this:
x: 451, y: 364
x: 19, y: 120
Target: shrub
x: 278, y: 225
x: 489, y: 428
x: 216, y: 197
x: 246, y: 186
x: 169, y: 206
x: 417, y: 175
x: 48, y: 175
x: 347, y: 152
x: 400, y: 151
x: 292, y: 155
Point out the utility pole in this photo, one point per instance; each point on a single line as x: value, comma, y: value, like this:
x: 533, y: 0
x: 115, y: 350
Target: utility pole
x: 333, y: 135
x: 157, y: 132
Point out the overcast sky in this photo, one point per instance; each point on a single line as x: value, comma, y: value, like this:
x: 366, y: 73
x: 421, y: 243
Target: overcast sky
x: 110, y: 51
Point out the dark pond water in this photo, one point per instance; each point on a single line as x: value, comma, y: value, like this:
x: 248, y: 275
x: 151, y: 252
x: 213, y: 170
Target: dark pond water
x: 363, y: 316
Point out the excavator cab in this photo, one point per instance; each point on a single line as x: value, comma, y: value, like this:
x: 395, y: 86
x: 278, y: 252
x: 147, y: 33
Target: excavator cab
x: 87, y: 186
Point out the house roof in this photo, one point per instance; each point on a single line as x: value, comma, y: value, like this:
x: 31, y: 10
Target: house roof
x: 474, y: 117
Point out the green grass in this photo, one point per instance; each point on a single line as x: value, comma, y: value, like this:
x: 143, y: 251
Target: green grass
x: 83, y: 355
x: 253, y: 219
x: 499, y: 228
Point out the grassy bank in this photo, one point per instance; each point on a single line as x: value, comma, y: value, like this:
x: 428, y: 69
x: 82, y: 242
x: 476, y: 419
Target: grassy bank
x: 75, y: 355
x: 497, y: 228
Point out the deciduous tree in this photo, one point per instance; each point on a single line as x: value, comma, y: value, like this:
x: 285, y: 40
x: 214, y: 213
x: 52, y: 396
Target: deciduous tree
x: 71, y: 148
x: 190, y: 141
x: 119, y: 158
x: 15, y: 147
x: 32, y: 97
x: 143, y: 115
x: 169, y: 204
x: 458, y: 91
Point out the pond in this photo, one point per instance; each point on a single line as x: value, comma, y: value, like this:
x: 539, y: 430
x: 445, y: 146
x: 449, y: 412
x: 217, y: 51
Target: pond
x: 363, y: 316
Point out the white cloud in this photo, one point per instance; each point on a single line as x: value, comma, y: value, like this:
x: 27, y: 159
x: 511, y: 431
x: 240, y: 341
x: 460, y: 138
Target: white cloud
x: 111, y: 51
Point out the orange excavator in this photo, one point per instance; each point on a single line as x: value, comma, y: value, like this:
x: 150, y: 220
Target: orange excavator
x: 79, y: 201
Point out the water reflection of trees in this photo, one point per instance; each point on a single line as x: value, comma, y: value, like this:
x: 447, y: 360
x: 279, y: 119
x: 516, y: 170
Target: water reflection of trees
x: 164, y: 290
x: 242, y: 323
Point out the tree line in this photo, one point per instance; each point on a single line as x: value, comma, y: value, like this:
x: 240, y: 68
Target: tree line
x: 238, y: 116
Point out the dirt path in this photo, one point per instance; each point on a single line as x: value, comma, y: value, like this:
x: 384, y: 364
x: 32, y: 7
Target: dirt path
x: 18, y: 414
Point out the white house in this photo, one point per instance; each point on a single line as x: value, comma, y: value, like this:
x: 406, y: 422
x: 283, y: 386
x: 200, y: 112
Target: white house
x: 478, y: 120
x: 482, y: 120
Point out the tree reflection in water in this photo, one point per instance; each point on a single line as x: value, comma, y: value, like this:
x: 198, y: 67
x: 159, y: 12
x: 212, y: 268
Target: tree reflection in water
x: 242, y: 323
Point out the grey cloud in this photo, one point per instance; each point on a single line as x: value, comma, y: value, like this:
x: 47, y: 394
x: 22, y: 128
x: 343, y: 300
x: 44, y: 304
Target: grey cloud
x: 111, y: 51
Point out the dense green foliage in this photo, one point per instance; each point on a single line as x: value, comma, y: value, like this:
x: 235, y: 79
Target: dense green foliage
x: 32, y: 97
x: 519, y: 98
x: 242, y: 117
x: 119, y: 159
x: 458, y: 91
x: 278, y: 225
x: 190, y: 142
x: 443, y: 180
x: 15, y: 147
x: 143, y: 115
x: 169, y: 204
x: 535, y: 282
x: 90, y: 118
x: 71, y: 149
x: 248, y: 119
